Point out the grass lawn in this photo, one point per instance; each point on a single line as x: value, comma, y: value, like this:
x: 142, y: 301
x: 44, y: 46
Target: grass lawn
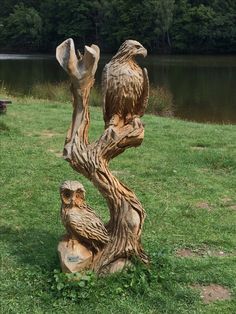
x: 184, y: 175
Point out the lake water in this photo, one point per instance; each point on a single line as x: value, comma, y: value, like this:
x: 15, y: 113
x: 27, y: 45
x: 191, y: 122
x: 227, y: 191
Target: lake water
x: 203, y: 87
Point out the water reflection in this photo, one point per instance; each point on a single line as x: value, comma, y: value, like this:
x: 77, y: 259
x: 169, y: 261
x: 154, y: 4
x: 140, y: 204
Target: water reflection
x: 203, y: 87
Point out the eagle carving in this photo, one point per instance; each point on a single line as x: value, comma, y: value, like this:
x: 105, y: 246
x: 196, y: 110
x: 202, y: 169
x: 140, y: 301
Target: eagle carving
x: 125, y: 85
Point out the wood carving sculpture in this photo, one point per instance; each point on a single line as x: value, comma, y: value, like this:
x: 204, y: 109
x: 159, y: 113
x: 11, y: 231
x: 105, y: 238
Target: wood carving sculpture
x: 89, y: 244
x: 80, y: 221
x: 124, y: 85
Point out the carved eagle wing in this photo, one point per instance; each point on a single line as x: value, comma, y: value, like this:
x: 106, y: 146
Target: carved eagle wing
x: 104, y: 90
x: 125, y: 90
x: 145, y: 94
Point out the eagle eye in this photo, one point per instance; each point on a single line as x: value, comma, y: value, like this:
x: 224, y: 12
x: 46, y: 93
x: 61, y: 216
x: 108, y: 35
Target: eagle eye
x: 137, y: 46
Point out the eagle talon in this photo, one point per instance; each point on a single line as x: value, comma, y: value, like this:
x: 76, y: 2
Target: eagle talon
x: 114, y: 121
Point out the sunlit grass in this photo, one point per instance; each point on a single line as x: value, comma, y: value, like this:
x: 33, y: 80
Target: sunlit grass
x: 179, y: 167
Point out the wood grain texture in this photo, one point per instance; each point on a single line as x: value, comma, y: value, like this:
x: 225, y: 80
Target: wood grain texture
x: 124, y: 84
x: 80, y: 220
x: 123, y: 130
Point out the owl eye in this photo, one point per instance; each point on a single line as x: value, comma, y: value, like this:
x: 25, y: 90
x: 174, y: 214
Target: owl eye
x: 66, y: 194
x: 80, y: 194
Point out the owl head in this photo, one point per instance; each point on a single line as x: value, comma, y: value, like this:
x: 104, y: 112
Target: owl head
x: 72, y: 193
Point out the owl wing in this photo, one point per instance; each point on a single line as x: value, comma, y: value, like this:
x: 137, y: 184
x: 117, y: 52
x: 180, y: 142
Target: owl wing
x: 88, y: 225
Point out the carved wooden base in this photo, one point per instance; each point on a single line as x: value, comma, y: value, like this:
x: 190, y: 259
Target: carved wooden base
x: 74, y: 256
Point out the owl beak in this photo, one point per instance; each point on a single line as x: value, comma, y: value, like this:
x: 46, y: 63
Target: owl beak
x: 72, y: 202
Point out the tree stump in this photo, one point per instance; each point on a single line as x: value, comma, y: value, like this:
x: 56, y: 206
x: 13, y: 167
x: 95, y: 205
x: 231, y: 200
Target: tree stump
x: 92, y: 160
x: 3, y: 106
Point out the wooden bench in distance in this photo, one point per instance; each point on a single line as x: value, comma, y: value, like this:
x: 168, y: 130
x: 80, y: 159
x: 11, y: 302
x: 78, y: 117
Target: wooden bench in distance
x: 3, y: 105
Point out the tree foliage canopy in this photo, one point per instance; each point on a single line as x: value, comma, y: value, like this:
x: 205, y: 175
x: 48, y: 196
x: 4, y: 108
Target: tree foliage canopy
x: 182, y: 26
x: 23, y: 27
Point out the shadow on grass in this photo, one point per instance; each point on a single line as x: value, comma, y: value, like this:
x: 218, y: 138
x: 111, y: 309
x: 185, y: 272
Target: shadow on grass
x: 31, y: 246
x: 4, y: 126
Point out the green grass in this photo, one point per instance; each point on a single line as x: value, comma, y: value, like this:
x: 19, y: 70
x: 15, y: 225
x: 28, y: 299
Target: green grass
x: 179, y: 166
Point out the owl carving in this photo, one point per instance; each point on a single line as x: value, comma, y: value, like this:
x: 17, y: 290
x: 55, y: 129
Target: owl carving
x: 125, y: 85
x: 80, y: 221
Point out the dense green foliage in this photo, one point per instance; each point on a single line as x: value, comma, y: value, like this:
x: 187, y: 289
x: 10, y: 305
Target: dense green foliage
x: 184, y: 175
x: 161, y: 25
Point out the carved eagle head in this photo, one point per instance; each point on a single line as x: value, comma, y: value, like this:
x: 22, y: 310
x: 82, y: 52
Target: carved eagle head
x: 129, y: 49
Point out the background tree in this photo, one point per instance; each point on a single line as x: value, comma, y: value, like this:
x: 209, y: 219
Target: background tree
x: 23, y: 27
x: 182, y: 26
x: 161, y: 13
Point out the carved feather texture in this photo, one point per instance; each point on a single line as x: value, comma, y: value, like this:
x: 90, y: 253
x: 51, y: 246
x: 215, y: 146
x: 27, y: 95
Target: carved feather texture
x: 125, y: 87
x: 82, y: 222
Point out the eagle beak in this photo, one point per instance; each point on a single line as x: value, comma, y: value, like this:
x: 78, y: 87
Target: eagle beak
x: 142, y: 51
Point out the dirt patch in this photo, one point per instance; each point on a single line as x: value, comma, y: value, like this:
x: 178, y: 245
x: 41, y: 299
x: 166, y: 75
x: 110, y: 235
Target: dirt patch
x: 203, y: 205
x: 30, y: 134
x: 198, y: 148
x: 213, y: 292
x: 203, y: 170
x: 201, y: 252
x: 185, y: 253
x: 226, y: 200
x: 120, y: 172
x: 48, y: 134
x: 44, y: 133
x: 55, y: 152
